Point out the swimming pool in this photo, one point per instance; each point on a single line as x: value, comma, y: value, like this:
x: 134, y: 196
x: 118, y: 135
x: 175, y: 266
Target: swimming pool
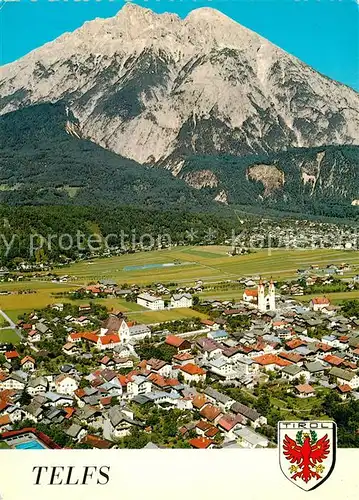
x: 30, y: 445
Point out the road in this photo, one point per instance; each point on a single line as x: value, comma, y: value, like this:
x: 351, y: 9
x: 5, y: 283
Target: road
x: 11, y: 324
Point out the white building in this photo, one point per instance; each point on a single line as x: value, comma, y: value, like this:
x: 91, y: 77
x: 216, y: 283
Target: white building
x: 319, y: 303
x: 181, y: 300
x: 265, y: 302
x: 151, y: 302
x: 65, y: 384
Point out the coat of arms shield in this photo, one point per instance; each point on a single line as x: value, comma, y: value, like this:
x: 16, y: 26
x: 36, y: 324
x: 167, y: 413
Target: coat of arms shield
x: 307, y: 451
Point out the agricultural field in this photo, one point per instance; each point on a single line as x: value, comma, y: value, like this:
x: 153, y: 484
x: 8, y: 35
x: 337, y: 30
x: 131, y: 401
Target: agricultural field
x: 210, y: 263
x: 334, y: 297
x: 182, y: 265
x: 8, y: 335
x: 151, y: 317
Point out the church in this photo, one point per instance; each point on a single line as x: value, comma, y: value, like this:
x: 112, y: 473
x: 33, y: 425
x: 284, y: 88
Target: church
x: 264, y: 301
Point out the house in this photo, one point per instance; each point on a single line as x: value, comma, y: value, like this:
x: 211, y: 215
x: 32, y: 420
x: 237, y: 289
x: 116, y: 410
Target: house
x: 34, y: 336
x: 119, y: 423
x: 222, y: 400
x: 319, y: 303
x: 250, y: 295
x: 182, y: 358
x: 179, y: 343
x: 230, y: 423
x: 211, y: 413
x: 76, y: 432
x: 222, y: 367
x: 218, y: 335
x: 10, y: 355
x: 70, y: 349
x: 345, y: 377
x: 201, y: 443
x: 5, y: 423
x: 316, y: 369
x: 252, y: 416
x: 12, y: 381
x: 193, y: 373
x: 294, y: 372
x: 344, y: 391
x: 271, y: 362
x: 65, y: 384
x: 133, y: 333
x: 139, y: 384
x: 250, y: 439
x: 158, y: 366
x: 181, y: 300
x: 150, y: 301
x: 304, y: 390
x: 28, y: 364
x: 37, y: 385
x: 54, y: 399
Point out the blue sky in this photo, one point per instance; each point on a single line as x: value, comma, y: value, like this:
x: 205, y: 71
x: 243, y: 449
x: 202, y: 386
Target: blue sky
x: 323, y: 33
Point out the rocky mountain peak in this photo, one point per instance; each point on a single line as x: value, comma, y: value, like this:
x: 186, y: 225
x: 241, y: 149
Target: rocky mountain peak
x: 157, y: 88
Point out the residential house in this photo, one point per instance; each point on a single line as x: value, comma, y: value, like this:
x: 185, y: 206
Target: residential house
x: 180, y: 344
x: 66, y: 384
x: 193, y: 373
x: 28, y: 364
x: 251, y: 439
x: 252, y: 416
x: 150, y: 301
x: 181, y: 300
x: 345, y: 377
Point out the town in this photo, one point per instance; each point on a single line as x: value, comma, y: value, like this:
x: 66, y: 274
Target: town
x: 86, y: 376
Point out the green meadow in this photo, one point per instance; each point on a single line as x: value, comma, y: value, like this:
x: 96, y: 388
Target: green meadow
x: 210, y: 264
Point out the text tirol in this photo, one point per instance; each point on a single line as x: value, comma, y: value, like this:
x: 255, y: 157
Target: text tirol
x: 59, y: 475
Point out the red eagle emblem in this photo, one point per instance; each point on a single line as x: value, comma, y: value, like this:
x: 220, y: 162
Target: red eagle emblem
x: 307, y: 453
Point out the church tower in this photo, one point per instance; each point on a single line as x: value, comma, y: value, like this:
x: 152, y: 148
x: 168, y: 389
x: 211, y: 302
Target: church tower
x: 271, y: 296
x: 261, y: 297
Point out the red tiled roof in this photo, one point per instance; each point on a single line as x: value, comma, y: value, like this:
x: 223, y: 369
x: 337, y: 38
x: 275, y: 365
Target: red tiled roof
x: 96, y: 442
x: 291, y: 356
x: 323, y: 347
x: 5, y: 420
x: 212, y: 431
x: 27, y: 358
x: 207, y: 322
x: 90, y: 336
x: 227, y: 422
x: 320, y: 300
x: 333, y: 360
x: 174, y: 341
x: 210, y: 412
x: 193, y: 369
x: 199, y: 400
x: 344, y: 388
x: 304, y: 388
x: 69, y: 411
x: 12, y: 355
x: 110, y: 339
x: 203, y: 425
x: 271, y: 359
x: 293, y: 344
x: 183, y: 356
x: 251, y: 292
x: 200, y: 442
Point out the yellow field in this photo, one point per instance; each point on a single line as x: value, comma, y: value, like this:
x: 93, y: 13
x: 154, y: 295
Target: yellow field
x: 208, y: 263
x: 149, y: 317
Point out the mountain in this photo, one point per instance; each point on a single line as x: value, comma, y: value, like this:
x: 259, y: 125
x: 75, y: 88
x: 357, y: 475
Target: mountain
x: 321, y: 181
x: 156, y: 88
x: 44, y: 159
x: 158, y: 111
